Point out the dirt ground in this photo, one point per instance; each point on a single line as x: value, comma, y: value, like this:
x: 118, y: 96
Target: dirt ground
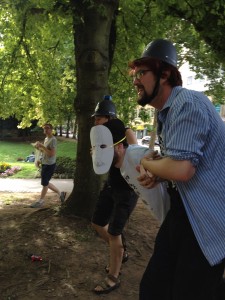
x: 73, y: 255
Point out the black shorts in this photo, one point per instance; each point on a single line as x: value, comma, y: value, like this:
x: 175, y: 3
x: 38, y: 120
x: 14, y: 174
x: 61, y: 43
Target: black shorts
x: 114, y: 208
x: 46, y: 173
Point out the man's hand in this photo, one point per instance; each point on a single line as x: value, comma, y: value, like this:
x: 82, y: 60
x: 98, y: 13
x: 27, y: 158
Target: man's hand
x: 39, y: 145
x: 153, y: 155
x: 146, y: 179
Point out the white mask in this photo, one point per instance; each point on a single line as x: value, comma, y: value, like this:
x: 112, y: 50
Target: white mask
x: 102, y: 149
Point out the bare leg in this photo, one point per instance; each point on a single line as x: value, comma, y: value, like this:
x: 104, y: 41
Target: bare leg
x: 116, y: 248
x: 116, y: 254
x: 102, y: 231
x: 44, y: 192
x: 40, y: 202
x: 53, y: 188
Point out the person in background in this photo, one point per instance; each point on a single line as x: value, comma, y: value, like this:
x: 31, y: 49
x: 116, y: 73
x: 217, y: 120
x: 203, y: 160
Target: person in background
x: 48, y: 163
x: 126, y: 157
x: 114, y: 206
x: 189, y: 254
x: 30, y: 158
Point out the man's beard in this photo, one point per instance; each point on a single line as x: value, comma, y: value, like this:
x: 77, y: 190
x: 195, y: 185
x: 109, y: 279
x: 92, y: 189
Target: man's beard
x: 145, y: 99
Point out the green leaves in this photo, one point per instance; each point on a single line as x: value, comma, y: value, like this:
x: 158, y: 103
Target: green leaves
x: 196, y: 28
x: 37, y: 72
x: 37, y: 55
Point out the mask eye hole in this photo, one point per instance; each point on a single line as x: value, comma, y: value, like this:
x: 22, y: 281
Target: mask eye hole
x: 103, y: 146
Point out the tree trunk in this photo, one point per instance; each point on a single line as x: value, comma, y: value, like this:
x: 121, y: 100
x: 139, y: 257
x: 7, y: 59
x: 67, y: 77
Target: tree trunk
x: 68, y: 126
x: 92, y: 28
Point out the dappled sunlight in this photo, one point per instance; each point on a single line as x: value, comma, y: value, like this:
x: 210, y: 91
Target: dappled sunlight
x: 61, y: 235
x: 40, y: 242
x: 73, y: 257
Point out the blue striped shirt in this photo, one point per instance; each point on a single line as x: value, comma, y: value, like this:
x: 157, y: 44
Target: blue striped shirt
x: 193, y: 130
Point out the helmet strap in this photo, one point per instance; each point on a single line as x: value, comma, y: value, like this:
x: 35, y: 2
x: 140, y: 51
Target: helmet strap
x: 156, y: 88
x: 148, y: 99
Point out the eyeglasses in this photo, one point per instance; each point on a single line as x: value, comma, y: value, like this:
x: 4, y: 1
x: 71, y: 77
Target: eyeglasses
x: 140, y: 73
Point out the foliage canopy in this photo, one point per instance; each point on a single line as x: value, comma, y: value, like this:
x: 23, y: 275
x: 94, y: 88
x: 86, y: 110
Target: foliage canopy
x: 37, y: 63
x: 38, y: 72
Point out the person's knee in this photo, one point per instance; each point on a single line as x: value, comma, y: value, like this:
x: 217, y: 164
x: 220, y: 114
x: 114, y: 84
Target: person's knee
x: 44, y: 185
x: 114, y: 236
x: 97, y: 227
x: 94, y: 226
x: 116, y: 239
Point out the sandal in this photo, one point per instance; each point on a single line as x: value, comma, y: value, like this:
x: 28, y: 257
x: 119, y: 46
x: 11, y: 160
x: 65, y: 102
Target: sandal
x: 105, y: 287
x: 125, y: 257
x: 107, y: 270
x: 125, y: 253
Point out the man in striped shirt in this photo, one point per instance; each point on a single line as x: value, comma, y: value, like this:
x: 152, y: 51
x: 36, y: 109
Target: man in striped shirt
x: 189, y: 255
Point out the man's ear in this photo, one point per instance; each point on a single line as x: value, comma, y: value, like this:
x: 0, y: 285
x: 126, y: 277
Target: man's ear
x: 120, y: 146
x: 165, y: 74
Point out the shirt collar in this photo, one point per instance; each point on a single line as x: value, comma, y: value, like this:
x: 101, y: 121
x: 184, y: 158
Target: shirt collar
x: 163, y: 112
x: 175, y: 91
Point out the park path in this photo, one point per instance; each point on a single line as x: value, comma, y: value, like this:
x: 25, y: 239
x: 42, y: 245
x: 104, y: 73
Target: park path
x: 32, y: 185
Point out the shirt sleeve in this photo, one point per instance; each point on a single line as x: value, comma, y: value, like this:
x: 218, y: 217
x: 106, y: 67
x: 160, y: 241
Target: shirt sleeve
x: 187, y: 132
x: 53, y: 144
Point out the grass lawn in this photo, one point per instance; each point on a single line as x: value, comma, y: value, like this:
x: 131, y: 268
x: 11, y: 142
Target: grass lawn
x: 11, y: 151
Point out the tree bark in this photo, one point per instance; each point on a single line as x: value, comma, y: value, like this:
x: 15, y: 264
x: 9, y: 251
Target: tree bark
x: 92, y: 28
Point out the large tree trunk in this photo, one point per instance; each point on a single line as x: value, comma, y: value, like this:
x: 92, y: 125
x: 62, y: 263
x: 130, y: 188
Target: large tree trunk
x: 92, y: 28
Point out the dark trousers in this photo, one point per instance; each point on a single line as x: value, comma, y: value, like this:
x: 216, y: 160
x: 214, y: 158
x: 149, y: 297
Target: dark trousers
x: 178, y: 269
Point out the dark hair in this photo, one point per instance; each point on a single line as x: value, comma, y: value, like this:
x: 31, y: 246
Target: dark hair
x: 48, y: 124
x: 156, y: 65
x: 118, y: 130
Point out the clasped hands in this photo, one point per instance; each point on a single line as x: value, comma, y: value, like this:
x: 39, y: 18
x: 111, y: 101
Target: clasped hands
x: 38, y: 145
x: 146, y: 178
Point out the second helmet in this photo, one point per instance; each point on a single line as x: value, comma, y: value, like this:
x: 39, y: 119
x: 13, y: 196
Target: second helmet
x: 105, y: 108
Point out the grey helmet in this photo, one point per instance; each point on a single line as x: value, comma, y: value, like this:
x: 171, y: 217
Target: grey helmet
x: 105, y: 108
x: 163, y: 50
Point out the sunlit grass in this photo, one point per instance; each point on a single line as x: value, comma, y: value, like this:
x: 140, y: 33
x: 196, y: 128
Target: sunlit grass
x: 10, y: 152
x: 28, y: 170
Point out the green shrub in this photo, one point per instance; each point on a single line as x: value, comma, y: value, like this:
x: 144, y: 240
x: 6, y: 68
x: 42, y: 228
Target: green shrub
x: 65, y: 167
x: 8, y: 170
x: 4, y: 166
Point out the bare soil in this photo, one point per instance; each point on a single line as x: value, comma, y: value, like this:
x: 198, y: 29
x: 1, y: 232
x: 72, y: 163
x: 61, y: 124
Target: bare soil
x: 73, y: 255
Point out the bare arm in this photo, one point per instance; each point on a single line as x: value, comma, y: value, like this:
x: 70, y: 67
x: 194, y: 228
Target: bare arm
x: 167, y: 168
x: 49, y: 152
x: 131, y: 137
